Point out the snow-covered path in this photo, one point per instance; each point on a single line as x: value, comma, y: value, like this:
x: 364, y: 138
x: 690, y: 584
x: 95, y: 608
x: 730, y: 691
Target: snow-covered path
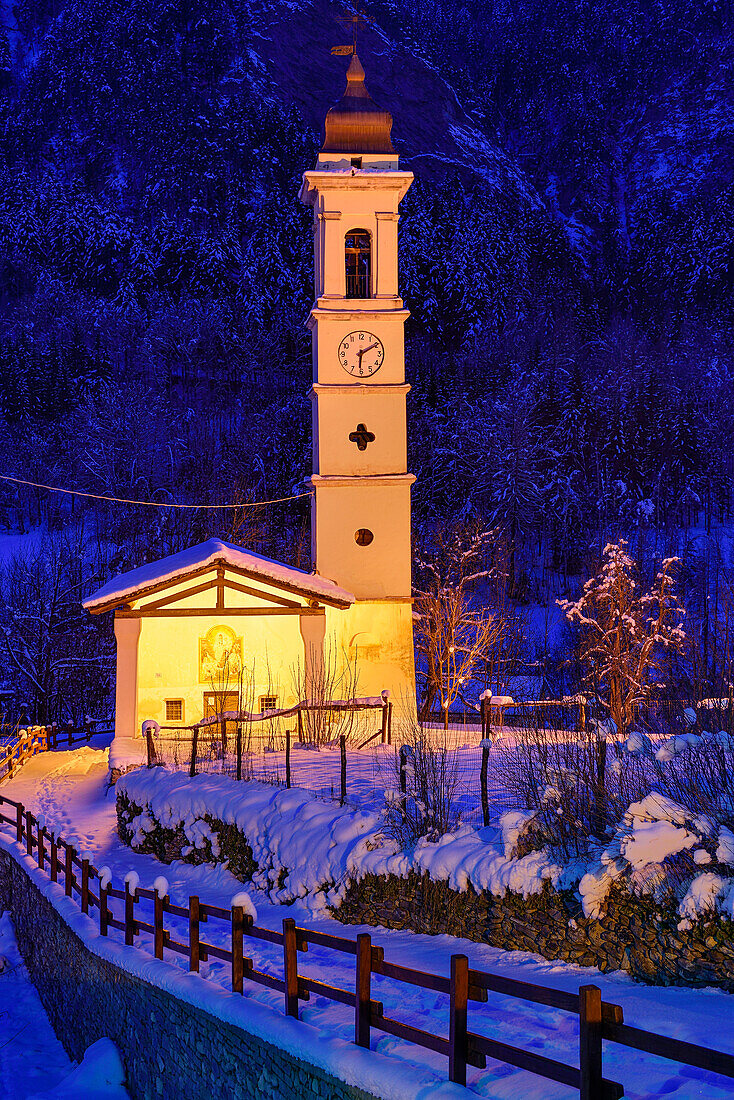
x: 69, y: 789
x: 31, y: 1057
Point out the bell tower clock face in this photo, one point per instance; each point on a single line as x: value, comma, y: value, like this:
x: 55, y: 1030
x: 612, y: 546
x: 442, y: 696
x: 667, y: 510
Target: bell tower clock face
x: 361, y: 354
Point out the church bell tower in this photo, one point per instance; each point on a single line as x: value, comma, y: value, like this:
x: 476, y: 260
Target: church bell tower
x: 360, y: 511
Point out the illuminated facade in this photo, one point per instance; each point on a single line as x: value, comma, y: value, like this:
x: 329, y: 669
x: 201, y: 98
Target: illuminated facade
x: 194, y: 628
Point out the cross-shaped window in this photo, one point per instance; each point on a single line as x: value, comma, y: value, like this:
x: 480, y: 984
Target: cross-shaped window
x: 361, y: 437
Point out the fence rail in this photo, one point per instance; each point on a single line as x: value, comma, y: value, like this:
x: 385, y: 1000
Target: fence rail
x: 26, y: 743
x: 225, y: 740
x: 598, y: 1020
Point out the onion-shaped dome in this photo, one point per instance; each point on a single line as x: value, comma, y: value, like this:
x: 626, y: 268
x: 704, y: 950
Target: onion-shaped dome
x: 356, y: 124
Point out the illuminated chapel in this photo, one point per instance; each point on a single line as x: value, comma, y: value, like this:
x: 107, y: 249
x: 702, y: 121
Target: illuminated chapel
x: 191, y: 627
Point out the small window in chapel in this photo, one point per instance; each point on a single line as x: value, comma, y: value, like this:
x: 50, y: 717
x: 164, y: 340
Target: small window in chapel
x: 174, y: 710
x: 358, y: 255
x: 268, y: 702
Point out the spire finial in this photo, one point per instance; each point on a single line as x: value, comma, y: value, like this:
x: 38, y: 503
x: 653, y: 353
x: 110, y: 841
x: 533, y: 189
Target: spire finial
x: 358, y: 19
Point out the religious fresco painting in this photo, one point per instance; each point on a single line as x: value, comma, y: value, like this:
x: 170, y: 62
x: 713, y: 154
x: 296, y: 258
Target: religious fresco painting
x: 220, y: 655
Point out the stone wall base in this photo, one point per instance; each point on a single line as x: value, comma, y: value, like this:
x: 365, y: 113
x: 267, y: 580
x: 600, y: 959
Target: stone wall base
x: 635, y: 935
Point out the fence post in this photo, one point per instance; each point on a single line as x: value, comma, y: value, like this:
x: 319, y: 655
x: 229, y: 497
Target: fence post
x: 483, y: 716
x: 19, y: 823
x: 403, y: 769
x: 483, y: 782
x: 158, y: 935
x: 29, y: 832
x: 103, y: 909
x: 239, y: 750
x: 458, y: 1044
x: 288, y: 758
x: 343, y: 753
x: 70, y: 731
x: 150, y: 746
x: 194, y: 746
x: 590, y: 1055
x: 39, y: 843
x: 300, y: 724
x: 129, y: 916
x: 238, y: 928
x: 194, y: 954
x: 68, y: 869
x: 54, y: 858
x: 290, y: 966
x: 363, y: 990
x: 85, y: 886
x: 389, y: 723
x: 383, y: 731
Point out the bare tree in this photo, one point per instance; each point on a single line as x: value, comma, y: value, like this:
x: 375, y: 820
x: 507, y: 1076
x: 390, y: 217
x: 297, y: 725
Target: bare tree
x: 625, y: 632
x: 329, y: 676
x: 454, y: 639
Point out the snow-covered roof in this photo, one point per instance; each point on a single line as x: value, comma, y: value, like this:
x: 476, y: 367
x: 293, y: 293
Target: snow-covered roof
x: 137, y: 582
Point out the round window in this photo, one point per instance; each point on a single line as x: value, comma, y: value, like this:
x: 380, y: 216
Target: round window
x: 363, y: 537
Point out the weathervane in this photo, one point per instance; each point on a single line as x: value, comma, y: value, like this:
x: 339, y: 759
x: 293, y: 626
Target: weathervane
x: 357, y: 20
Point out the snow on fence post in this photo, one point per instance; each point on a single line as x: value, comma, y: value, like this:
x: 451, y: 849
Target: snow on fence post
x: 363, y: 990
x: 459, y: 999
x: 343, y: 775
x: 290, y: 966
x: 68, y: 869
x: 483, y: 780
x: 288, y: 756
x: 194, y: 950
x: 590, y: 1052
x: 194, y: 746
x: 85, y: 886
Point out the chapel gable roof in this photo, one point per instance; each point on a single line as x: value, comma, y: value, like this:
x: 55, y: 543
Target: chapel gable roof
x: 145, y: 579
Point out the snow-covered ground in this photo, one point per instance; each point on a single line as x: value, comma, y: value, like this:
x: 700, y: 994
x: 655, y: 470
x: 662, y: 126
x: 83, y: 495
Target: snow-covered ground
x: 69, y: 790
x: 33, y: 1063
x: 370, y: 771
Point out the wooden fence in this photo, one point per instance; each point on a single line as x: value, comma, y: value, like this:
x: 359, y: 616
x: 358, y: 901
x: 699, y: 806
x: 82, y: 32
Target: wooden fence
x: 26, y: 743
x: 598, y: 1019
x: 189, y: 739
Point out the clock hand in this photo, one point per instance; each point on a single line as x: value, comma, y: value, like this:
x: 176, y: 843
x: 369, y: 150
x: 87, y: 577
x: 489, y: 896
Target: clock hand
x: 363, y: 351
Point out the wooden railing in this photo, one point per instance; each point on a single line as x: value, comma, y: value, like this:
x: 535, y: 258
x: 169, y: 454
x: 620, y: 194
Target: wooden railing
x: 28, y: 742
x: 598, y: 1019
x: 194, y: 735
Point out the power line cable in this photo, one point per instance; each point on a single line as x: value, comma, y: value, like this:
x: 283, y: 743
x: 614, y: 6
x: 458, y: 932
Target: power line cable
x: 150, y: 503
